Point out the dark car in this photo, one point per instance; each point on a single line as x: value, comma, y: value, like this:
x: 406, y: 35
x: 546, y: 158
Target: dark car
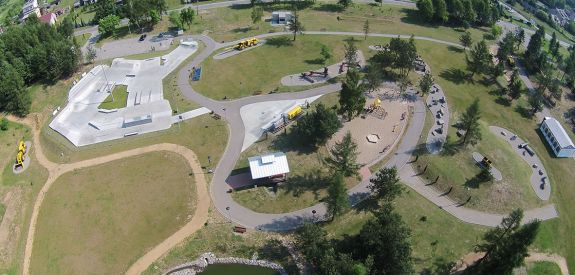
x: 143, y: 37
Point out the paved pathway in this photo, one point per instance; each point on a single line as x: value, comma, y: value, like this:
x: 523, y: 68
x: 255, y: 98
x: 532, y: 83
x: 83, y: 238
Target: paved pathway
x: 539, y: 180
x: 56, y: 170
x: 554, y: 258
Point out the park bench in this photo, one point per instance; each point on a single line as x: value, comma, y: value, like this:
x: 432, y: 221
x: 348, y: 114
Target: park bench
x: 240, y: 229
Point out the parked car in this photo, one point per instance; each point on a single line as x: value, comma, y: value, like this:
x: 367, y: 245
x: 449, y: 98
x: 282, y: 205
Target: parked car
x: 142, y: 37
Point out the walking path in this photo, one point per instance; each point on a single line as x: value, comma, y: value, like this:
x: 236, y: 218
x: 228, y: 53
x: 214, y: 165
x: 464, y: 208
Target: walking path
x: 56, y: 170
x: 230, y: 110
x: 554, y: 258
x: 539, y: 180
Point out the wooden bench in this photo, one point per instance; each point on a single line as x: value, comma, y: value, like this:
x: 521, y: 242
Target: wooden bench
x: 239, y: 229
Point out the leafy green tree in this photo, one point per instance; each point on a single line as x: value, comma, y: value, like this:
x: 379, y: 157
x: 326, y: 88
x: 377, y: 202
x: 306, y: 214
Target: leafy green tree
x: 344, y: 3
x: 506, y: 246
x: 466, y: 40
x: 385, y: 186
x: 534, y: 57
x: 105, y: 8
x: 554, y: 45
x: 365, y: 29
x: 108, y: 24
x: 343, y: 157
x: 257, y: 13
x: 13, y: 95
x: 325, y: 53
x: 469, y: 14
x: 66, y: 27
x: 519, y: 37
x: 425, y: 83
x: 440, y: 11
x: 336, y: 199
x: 470, y: 123
x: 351, y: 97
x: 386, y: 239
x: 295, y: 25
x: 426, y: 10
x: 176, y: 20
x: 479, y: 60
x: 187, y: 16
x: 496, y: 31
x: 155, y: 17
x: 405, y: 53
x: 4, y: 124
x: 506, y: 47
x: 316, y: 127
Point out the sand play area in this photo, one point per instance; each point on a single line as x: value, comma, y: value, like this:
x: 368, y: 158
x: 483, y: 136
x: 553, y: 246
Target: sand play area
x: 376, y: 133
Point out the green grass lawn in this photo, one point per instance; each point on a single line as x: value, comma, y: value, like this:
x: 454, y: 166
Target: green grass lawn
x: 308, y: 177
x: 117, y: 99
x: 102, y: 219
x: 82, y: 39
x: 10, y: 7
x: 172, y: 93
x: 435, y: 234
x: 2, y: 211
x: 262, y: 68
x: 543, y: 268
x: 27, y: 184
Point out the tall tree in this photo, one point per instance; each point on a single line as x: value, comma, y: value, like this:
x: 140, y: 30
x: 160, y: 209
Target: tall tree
x: 336, y: 199
x: 554, y: 45
x: 385, y: 186
x: 90, y: 54
x: 350, y: 54
x: 426, y: 10
x: 470, y: 123
x: 519, y: 37
x: 466, y: 40
x: 344, y: 3
x: 325, y: 53
x: 506, y: 47
x: 365, y: 29
x: 386, y: 239
x: 404, y: 54
x: 372, y: 78
x: 104, y: 8
x: 535, y: 100
x: 108, y: 24
x: 13, y: 95
x: 351, y: 97
x: 257, y: 13
x: 311, y: 241
x: 176, y: 20
x: 295, y: 25
x: 425, y: 83
x: 187, y: 16
x: 440, y: 11
x: 343, y: 157
x: 317, y: 126
x: 506, y: 246
x: 479, y: 60
x: 534, y: 57
x: 514, y: 86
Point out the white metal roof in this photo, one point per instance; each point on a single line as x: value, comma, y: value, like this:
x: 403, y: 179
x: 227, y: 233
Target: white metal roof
x: 558, y: 132
x: 268, y: 165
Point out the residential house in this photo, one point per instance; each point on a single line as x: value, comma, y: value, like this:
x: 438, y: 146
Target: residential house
x: 29, y: 8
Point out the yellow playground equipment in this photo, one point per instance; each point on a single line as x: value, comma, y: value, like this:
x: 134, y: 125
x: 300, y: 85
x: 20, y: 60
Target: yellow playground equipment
x: 293, y: 113
x: 246, y: 44
x: 21, y: 152
x: 376, y: 103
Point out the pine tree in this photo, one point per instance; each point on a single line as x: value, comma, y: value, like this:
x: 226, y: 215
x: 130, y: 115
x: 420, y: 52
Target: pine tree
x: 507, y: 245
x: 385, y: 186
x: 480, y: 59
x: 470, y: 123
x: 336, y: 200
x: 351, y: 98
x: 466, y: 40
x: 425, y: 8
x: 343, y: 157
x: 514, y: 86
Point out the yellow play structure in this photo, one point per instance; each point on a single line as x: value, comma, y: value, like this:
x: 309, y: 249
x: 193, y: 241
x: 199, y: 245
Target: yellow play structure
x: 293, y: 113
x: 246, y: 44
x: 376, y: 103
x: 21, y: 152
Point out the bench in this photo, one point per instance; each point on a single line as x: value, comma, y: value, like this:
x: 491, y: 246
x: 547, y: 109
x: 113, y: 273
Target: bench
x: 239, y: 229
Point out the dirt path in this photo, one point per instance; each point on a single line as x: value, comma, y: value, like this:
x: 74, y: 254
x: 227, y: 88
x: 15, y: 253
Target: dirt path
x: 544, y: 257
x: 56, y: 170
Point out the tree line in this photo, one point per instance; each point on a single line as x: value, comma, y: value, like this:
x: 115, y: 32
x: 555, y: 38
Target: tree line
x: 460, y: 12
x: 34, y: 52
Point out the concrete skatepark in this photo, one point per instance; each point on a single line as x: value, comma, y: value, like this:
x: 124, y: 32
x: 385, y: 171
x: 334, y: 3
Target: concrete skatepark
x: 83, y: 123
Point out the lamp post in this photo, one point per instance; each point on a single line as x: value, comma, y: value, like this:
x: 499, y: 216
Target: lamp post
x: 228, y: 211
x: 313, y: 215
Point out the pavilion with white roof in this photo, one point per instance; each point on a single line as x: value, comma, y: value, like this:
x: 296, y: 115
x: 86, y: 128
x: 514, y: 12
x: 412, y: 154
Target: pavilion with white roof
x: 273, y: 165
x: 557, y: 138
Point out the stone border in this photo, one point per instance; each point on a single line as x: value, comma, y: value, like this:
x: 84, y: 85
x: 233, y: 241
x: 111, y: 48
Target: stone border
x: 208, y: 258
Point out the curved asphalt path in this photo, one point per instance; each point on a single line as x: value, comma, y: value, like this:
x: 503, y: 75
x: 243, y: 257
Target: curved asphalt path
x: 230, y: 110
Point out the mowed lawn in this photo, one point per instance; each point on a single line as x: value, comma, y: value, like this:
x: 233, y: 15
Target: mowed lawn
x: 116, y: 99
x: 435, y: 234
x: 261, y: 69
x: 101, y: 219
x: 555, y: 235
x: 307, y: 180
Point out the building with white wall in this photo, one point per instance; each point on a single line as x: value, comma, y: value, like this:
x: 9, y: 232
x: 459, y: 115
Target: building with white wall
x: 29, y: 8
x: 557, y: 138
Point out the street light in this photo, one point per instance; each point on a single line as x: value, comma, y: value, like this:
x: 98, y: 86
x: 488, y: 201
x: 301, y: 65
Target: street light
x: 228, y: 211
x: 313, y: 215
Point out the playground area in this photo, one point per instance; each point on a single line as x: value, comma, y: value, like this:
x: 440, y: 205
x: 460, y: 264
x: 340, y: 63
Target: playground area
x: 377, y: 130
x: 83, y: 122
